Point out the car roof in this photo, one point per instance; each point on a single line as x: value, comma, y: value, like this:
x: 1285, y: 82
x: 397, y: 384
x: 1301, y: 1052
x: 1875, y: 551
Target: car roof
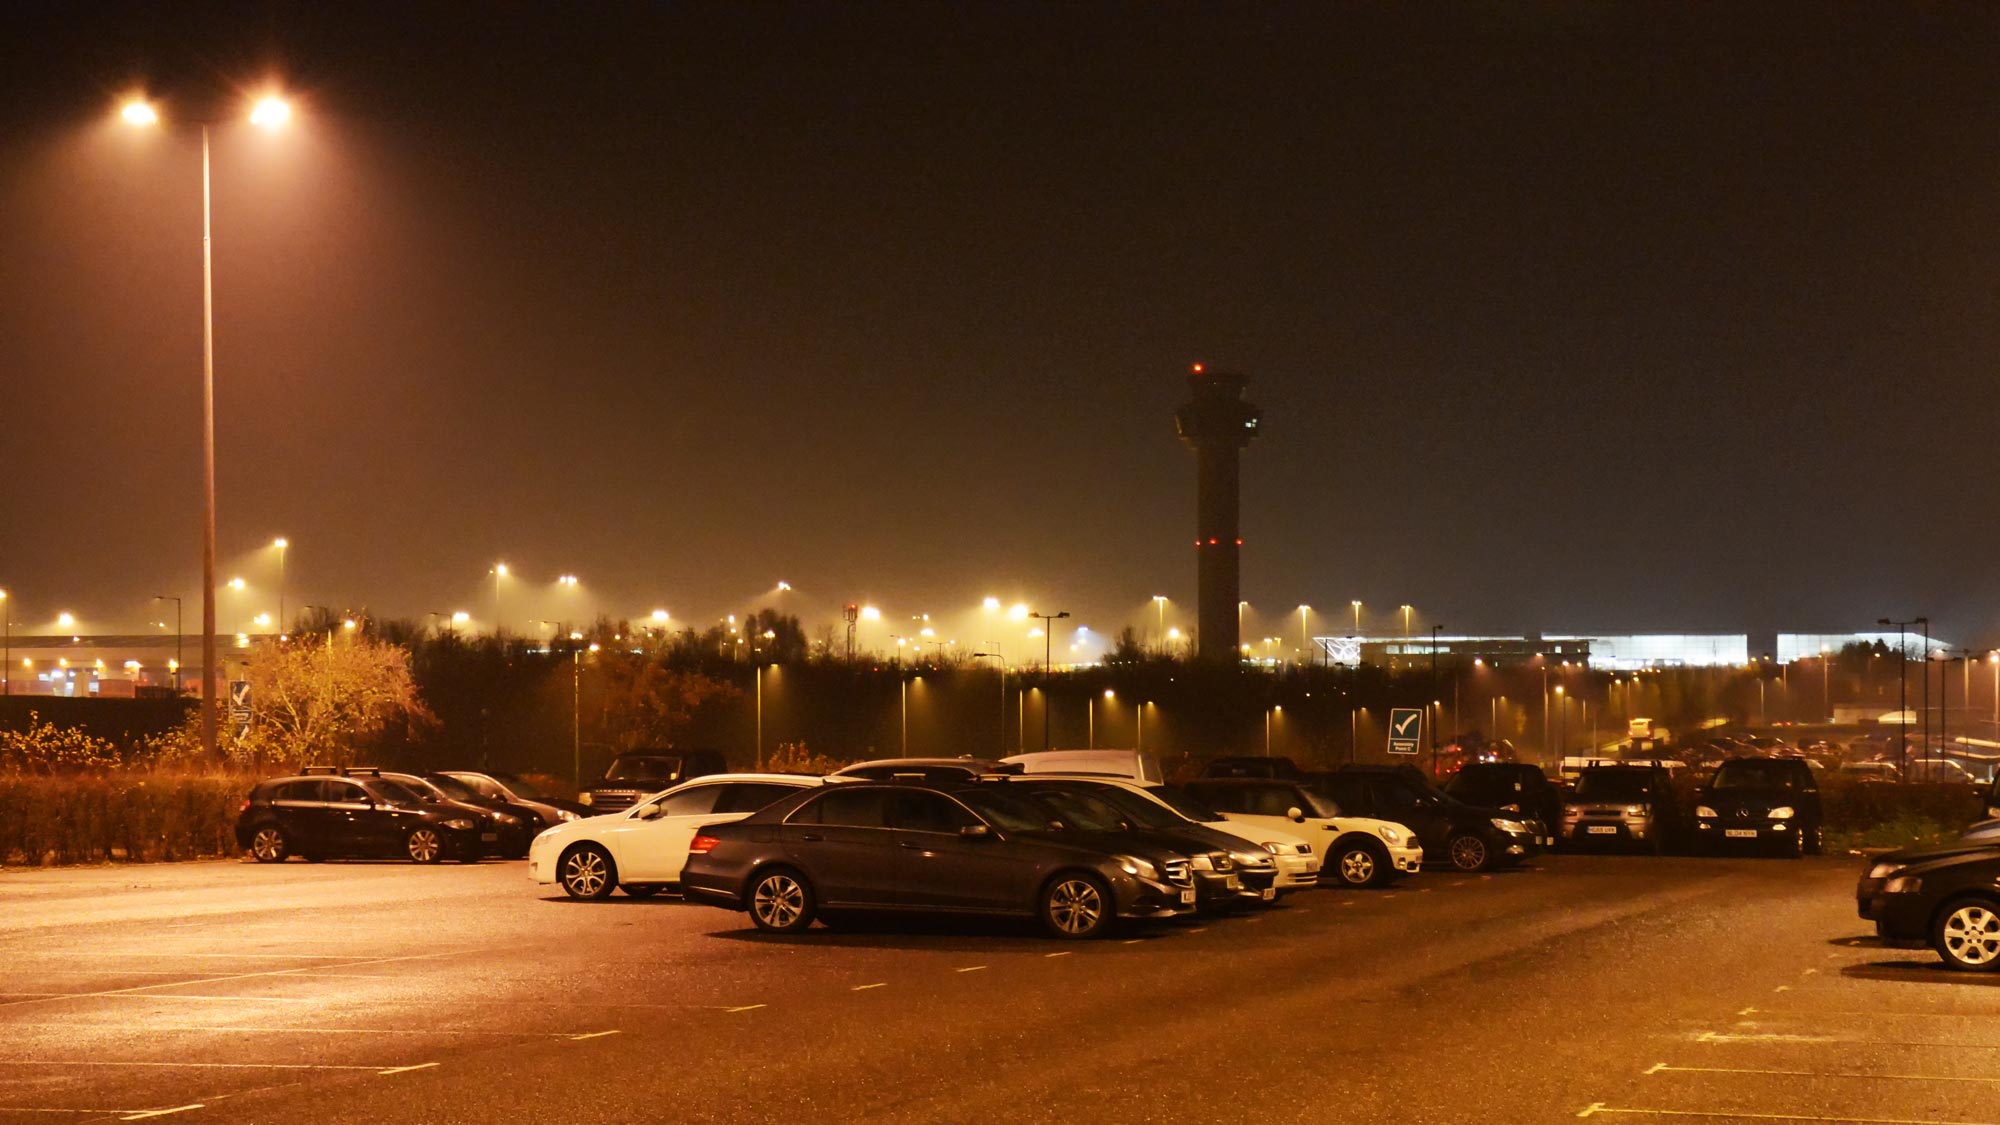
x: 804, y: 780
x: 1242, y: 782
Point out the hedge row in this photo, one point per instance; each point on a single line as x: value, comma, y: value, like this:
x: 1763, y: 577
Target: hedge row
x: 88, y: 818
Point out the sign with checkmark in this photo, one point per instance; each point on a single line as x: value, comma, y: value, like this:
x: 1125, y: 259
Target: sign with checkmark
x: 1406, y: 729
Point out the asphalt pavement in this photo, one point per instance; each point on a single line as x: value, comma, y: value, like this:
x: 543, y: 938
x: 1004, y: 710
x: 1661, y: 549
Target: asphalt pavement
x: 1625, y: 988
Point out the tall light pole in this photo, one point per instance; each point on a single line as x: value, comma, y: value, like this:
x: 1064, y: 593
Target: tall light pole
x: 1305, y: 633
x: 1903, y: 684
x: 1002, y: 665
x: 281, y: 544
x: 178, y: 658
x: 499, y: 572
x: 6, y: 647
x: 1160, y: 603
x: 1435, y: 630
x: 1048, y: 640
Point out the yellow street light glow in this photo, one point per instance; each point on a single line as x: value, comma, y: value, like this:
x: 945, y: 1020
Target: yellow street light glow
x: 593, y: 646
x: 1018, y: 611
x: 138, y: 111
x: 237, y: 584
x: 576, y: 636
x: 927, y: 631
x: 989, y: 603
x: 501, y: 570
x: 1035, y: 632
x: 769, y: 635
x: 271, y: 112
x: 1109, y: 694
x: 1174, y: 633
x: 62, y: 662
x: 261, y: 619
x: 460, y: 618
x: 347, y: 624
x: 659, y: 615
x: 870, y: 613
x: 66, y: 619
x: 172, y: 665
x: 280, y: 543
x: 567, y: 580
x: 784, y: 585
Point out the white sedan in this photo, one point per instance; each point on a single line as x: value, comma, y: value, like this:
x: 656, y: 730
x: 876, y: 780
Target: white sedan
x: 643, y: 848
x: 1359, y: 851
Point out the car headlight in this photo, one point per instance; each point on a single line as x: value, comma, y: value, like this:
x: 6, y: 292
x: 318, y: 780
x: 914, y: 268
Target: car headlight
x: 1200, y: 863
x: 462, y: 825
x: 584, y: 799
x: 1706, y: 813
x: 1258, y: 860
x: 1390, y: 834
x: 1884, y: 870
x: 1133, y: 865
x: 1782, y: 812
x: 565, y: 814
x: 1513, y: 827
x: 1903, y: 885
x: 506, y: 821
x: 1635, y: 810
x: 1276, y: 848
x: 1572, y: 812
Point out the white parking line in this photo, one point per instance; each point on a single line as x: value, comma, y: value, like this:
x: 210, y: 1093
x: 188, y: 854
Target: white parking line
x: 406, y: 1069
x: 969, y: 969
x: 1595, y: 1108
x: 44, y: 1109
x: 1663, y: 1068
x: 231, y: 1029
x: 145, y: 1113
x: 592, y: 1035
x: 866, y: 987
x: 236, y: 976
x: 1064, y: 953
x: 1772, y: 1037
x: 744, y: 1008
x: 203, y: 1065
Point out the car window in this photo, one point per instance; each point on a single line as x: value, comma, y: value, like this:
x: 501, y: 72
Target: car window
x: 1348, y: 792
x: 1191, y: 807
x: 846, y: 808
x: 1083, y: 810
x: 345, y: 791
x: 643, y: 769
x: 522, y: 788
x: 1760, y: 773
x: 1614, y: 785
x: 394, y: 792
x: 750, y: 796
x: 482, y: 786
x: 1391, y: 796
x: 452, y: 787
x: 916, y: 810
x: 1135, y: 809
x: 1013, y: 810
x: 297, y: 791
x: 691, y: 801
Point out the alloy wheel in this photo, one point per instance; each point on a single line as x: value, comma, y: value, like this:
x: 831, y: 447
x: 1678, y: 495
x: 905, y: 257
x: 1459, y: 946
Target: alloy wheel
x: 1468, y: 853
x: 584, y: 874
x: 1357, y: 867
x: 424, y: 846
x: 778, y: 901
x: 268, y: 845
x: 1972, y: 935
x: 1075, y: 906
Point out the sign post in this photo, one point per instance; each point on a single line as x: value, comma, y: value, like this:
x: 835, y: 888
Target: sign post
x: 1406, y: 729
x: 239, y: 707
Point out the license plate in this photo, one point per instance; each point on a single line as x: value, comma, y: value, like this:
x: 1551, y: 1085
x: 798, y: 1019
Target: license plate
x: 1602, y: 829
x: 489, y: 837
x: 1233, y: 883
x: 1187, y: 898
x: 1270, y: 894
x: 1740, y: 833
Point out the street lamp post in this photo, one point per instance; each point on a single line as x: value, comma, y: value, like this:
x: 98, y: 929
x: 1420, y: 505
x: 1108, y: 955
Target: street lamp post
x: 1305, y: 633
x: 1160, y: 603
x: 177, y: 637
x: 1002, y: 665
x: 1903, y: 683
x: 1435, y: 630
x: 1048, y: 640
x: 6, y: 647
x: 499, y: 572
x: 282, y: 545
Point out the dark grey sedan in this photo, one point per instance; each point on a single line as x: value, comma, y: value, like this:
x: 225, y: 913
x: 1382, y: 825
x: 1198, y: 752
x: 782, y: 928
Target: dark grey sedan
x: 935, y: 848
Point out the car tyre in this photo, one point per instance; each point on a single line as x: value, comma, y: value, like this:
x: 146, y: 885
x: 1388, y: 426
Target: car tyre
x: 1468, y: 852
x: 587, y: 873
x: 640, y: 890
x: 1363, y: 863
x: 1075, y: 905
x: 781, y: 901
x: 424, y: 845
x: 1966, y: 935
x: 269, y: 845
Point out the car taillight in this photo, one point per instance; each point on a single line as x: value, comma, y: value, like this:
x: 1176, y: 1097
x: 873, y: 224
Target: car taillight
x: 246, y: 806
x: 702, y: 845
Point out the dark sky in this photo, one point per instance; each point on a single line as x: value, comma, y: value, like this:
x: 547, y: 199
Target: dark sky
x: 1563, y: 316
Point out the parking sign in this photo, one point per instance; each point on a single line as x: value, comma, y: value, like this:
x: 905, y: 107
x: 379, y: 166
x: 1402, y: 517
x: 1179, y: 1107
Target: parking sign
x: 1406, y: 729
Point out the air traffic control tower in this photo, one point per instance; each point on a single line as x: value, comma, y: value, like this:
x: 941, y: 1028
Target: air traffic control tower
x: 1217, y: 423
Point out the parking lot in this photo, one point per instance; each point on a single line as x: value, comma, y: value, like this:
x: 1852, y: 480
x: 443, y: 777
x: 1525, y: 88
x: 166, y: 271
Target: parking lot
x: 1625, y: 988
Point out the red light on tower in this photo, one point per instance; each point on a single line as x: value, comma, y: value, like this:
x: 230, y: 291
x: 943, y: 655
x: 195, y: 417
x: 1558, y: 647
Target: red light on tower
x: 1198, y: 369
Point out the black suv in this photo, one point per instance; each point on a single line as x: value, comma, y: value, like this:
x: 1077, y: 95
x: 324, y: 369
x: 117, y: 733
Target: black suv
x: 1761, y: 803
x: 633, y: 777
x: 321, y: 814
x: 1469, y: 837
x: 1512, y: 787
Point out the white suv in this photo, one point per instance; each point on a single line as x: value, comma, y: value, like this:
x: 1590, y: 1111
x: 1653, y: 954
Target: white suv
x: 643, y: 848
x: 1359, y: 851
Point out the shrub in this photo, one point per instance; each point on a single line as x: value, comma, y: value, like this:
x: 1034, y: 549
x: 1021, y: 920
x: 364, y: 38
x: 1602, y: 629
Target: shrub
x: 795, y: 757
x: 92, y: 818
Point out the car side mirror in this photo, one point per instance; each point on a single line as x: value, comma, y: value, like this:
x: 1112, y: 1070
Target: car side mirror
x: 651, y: 812
x: 975, y: 832
x: 1296, y: 813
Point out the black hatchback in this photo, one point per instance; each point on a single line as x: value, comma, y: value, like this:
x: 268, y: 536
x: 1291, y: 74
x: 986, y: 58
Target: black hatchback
x: 1767, y: 804
x: 319, y: 817
x: 1513, y: 787
x: 1469, y: 837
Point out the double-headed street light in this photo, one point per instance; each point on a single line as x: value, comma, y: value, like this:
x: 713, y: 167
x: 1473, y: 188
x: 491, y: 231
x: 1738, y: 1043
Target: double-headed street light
x: 1048, y: 639
x: 269, y: 112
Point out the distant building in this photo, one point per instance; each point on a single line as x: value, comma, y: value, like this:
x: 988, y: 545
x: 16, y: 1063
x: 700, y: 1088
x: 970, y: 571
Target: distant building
x: 1622, y: 652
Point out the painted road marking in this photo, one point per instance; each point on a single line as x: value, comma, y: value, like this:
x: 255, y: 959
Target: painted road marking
x: 40, y: 1109
x: 201, y: 1065
x: 969, y: 969
x: 1595, y: 1108
x: 145, y: 1113
x: 592, y: 1035
x: 866, y: 987
x: 1663, y: 1068
x: 406, y: 1069
x: 1770, y: 1037
x: 1064, y: 953
x: 1131, y: 941
x: 240, y: 976
x: 235, y: 1030
x: 744, y: 1008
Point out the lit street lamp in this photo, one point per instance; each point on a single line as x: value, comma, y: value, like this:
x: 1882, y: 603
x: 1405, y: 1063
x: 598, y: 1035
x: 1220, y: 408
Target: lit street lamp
x: 270, y: 113
x: 282, y: 545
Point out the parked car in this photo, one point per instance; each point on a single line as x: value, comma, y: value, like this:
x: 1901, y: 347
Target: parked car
x: 515, y: 795
x: 1626, y: 805
x: 1766, y: 803
x: 1255, y: 867
x: 1993, y: 798
x: 1512, y: 787
x: 1110, y: 763
x: 1209, y: 853
x: 1947, y: 898
x: 321, y: 817
x: 1939, y: 770
x: 641, y: 850
x: 1870, y: 771
x: 1359, y: 851
x: 1252, y: 767
x: 633, y: 777
x: 1469, y: 837
x: 925, y: 769
x: 946, y: 848
x: 512, y: 830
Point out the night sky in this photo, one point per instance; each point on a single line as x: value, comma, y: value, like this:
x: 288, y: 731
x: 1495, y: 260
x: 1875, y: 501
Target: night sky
x: 1562, y: 316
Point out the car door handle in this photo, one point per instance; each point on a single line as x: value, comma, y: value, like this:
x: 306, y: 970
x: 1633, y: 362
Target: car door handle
x: 812, y: 839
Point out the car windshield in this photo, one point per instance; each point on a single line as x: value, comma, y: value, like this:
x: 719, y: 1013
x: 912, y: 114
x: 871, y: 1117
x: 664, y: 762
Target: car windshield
x: 1611, y: 785
x: 1183, y: 804
x: 1755, y: 773
x: 1083, y: 810
x: 522, y: 789
x: 452, y: 787
x: 1016, y: 812
x: 396, y: 793
x: 643, y: 769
